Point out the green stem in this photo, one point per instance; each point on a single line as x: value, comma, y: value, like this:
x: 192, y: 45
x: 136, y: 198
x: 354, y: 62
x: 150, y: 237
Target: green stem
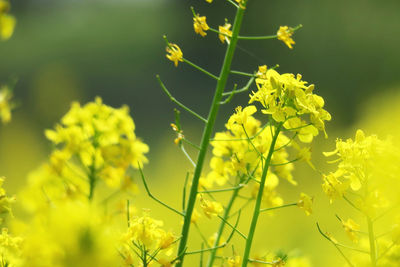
x: 372, y: 247
x: 278, y: 207
x: 207, y: 133
x: 92, y: 181
x: 222, y: 226
x: 257, y: 206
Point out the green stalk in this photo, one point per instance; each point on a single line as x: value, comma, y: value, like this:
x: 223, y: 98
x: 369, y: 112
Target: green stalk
x: 256, y: 212
x: 92, y: 180
x: 222, y: 226
x: 205, y: 140
x: 372, y: 248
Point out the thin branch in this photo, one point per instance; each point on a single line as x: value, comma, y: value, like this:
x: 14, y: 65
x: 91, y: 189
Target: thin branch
x: 278, y: 207
x: 177, y: 102
x: 200, y: 69
x: 222, y: 190
x: 233, y: 227
x: 153, y: 197
x: 243, y: 89
x: 335, y: 244
x: 229, y: 98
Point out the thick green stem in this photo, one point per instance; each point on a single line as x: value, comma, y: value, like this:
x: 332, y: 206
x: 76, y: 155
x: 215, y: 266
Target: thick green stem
x: 205, y: 140
x: 372, y: 247
x: 257, y: 206
x: 221, y: 227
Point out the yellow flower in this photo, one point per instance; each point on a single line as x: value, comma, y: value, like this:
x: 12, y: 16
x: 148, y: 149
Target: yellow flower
x: 175, y: 54
x: 351, y: 227
x: 288, y: 99
x: 225, y: 32
x: 242, y: 3
x: 285, y: 35
x: 234, y: 261
x: 5, y: 105
x: 7, y: 25
x: 210, y: 207
x: 200, y: 25
x: 209, y: 1
x: 101, y: 138
x: 305, y: 202
x: 4, y: 6
x: 333, y: 187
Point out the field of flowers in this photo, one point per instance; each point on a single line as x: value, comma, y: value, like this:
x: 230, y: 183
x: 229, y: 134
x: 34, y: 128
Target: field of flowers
x: 248, y: 173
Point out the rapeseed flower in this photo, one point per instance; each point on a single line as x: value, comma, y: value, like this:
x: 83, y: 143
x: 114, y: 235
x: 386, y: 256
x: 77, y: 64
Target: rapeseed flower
x: 351, y: 228
x: 225, y: 32
x: 210, y: 208
x: 175, y: 54
x: 7, y: 22
x: 305, y: 203
x: 285, y: 35
x: 289, y: 100
x: 5, y: 104
x: 200, y: 25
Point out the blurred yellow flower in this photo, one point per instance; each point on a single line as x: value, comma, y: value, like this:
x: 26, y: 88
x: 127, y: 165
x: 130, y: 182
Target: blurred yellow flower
x: 210, y: 207
x: 5, y: 104
x: 351, y: 228
x: 7, y: 22
x: 175, y: 54
x: 305, y: 203
x: 285, y: 35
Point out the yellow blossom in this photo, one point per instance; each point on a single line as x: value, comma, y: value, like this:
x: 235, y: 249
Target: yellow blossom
x: 200, y: 25
x: 305, y: 202
x: 7, y: 22
x: 351, y: 228
x: 210, y: 208
x: 234, y: 261
x: 209, y: 1
x: 175, y: 54
x: 5, y: 104
x: 285, y: 35
x: 225, y: 32
x: 289, y: 100
x: 195, y: 216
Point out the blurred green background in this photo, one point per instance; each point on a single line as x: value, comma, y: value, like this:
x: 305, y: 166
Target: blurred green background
x: 75, y: 50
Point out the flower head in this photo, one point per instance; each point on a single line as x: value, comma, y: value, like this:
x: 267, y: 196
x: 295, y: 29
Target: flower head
x: 7, y: 22
x: 175, y: 54
x: 210, y: 207
x: 351, y: 227
x: 285, y: 35
x: 5, y: 104
x: 288, y: 99
x: 305, y: 202
x: 225, y: 32
x: 200, y: 25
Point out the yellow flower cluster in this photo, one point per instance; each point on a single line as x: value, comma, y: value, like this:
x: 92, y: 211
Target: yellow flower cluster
x: 98, y: 139
x: 5, y: 201
x: 365, y: 162
x: 7, y: 21
x: 73, y: 233
x: 10, y: 246
x: 288, y: 99
x: 5, y: 104
x: 237, y: 152
x: 149, y: 240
